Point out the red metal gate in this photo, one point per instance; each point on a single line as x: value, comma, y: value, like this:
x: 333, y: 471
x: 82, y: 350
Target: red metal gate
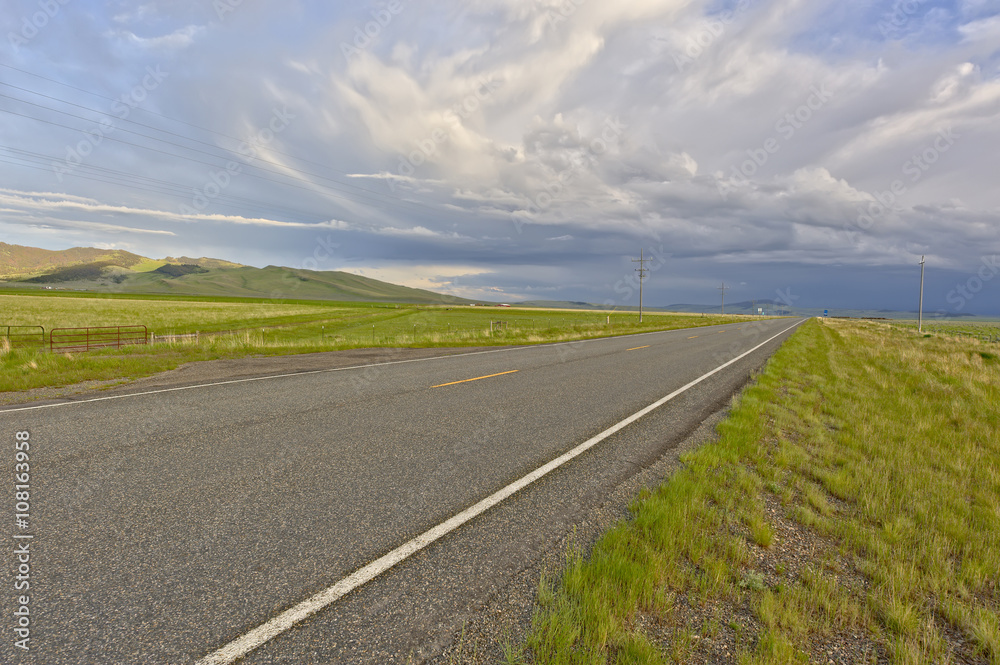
x: 86, y: 339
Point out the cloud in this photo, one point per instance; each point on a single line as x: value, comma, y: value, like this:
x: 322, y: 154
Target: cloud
x: 178, y: 39
x: 25, y: 201
x: 55, y: 223
x: 557, y: 132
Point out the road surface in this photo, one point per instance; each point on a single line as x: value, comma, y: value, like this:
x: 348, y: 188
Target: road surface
x: 170, y: 526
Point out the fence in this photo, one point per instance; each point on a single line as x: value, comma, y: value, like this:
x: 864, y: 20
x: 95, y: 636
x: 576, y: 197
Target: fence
x: 87, y: 339
x: 21, y: 337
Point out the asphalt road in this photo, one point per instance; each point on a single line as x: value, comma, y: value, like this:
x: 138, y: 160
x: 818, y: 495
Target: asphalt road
x: 168, y: 524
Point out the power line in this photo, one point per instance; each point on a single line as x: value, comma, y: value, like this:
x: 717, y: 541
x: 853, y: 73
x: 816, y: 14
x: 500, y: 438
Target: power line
x: 94, y: 173
x: 218, y: 166
x: 182, y: 147
x: 180, y: 136
x: 159, y: 115
x: 359, y: 192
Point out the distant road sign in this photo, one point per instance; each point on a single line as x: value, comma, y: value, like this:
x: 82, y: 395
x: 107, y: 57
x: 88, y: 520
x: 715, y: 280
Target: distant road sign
x: 826, y: 312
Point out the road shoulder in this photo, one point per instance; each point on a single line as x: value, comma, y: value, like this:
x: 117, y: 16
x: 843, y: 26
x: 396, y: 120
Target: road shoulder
x: 504, y: 619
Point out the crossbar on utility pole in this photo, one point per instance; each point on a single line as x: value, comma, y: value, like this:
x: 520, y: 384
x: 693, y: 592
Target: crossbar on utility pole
x: 920, y: 312
x: 723, y: 289
x: 642, y: 270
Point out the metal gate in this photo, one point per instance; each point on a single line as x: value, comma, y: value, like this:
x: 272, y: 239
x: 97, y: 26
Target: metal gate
x: 87, y: 339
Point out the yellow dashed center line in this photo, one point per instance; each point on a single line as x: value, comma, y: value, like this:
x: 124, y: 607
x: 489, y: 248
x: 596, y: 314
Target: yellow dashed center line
x: 478, y: 378
x: 695, y: 337
x: 639, y: 347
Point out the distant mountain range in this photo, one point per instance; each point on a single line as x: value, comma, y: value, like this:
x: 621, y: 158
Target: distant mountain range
x: 118, y: 271
x: 746, y: 307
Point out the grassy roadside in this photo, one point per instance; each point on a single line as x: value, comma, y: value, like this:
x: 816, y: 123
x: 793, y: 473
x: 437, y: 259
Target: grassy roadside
x: 984, y: 331
x: 236, y: 329
x: 849, y: 512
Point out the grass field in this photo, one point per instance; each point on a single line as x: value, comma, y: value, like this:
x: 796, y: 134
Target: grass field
x: 232, y: 327
x: 983, y: 331
x: 849, y: 512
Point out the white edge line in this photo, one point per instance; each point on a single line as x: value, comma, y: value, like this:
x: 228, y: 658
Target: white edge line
x: 330, y: 369
x: 284, y: 621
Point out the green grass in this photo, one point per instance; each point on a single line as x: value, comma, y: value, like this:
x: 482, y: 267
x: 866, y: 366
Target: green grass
x: 984, y: 331
x: 880, y: 445
x: 234, y: 327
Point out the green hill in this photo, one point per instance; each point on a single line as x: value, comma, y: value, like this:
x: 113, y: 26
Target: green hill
x: 278, y: 282
x: 18, y: 262
x: 118, y: 271
x: 203, y: 262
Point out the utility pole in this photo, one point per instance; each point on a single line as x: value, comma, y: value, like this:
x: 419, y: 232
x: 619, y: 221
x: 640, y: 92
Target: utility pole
x: 723, y: 289
x: 642, y: 270
x: 920, y: 313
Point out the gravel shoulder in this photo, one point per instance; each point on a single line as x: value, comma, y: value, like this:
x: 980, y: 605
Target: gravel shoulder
x: 503, y: 621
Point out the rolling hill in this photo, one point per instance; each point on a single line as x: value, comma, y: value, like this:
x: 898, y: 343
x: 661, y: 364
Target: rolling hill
x: 117, y: 271
x: 18, y: 262
x: 279, y: 282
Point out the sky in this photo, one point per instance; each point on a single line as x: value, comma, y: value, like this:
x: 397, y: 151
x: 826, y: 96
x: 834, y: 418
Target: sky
x: 809, y: 152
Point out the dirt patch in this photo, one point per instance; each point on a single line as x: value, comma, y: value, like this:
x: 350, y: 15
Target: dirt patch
x: 713, y: 632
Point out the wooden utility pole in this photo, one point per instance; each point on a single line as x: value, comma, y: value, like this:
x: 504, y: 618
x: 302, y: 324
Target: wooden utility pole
x: 642, y: 270
x: 920, y: 313
x: 723, y: 289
